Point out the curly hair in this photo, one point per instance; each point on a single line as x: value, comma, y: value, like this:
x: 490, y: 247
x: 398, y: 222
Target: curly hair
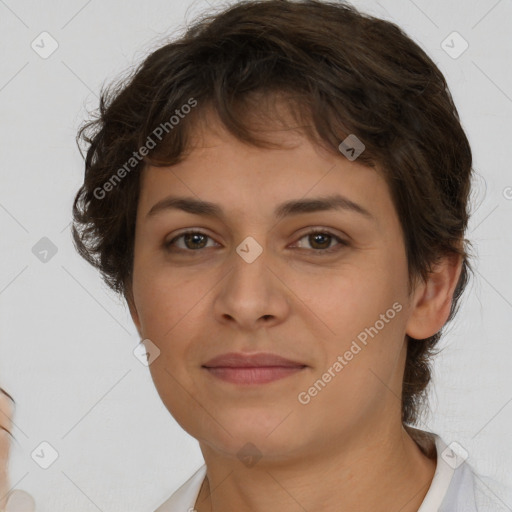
x: 340, y: 72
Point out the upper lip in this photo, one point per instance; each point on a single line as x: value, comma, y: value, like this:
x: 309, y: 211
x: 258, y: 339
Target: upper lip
x: 241, y: 360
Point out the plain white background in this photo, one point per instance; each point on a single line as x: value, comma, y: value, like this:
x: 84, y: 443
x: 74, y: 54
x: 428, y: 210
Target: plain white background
x: 67, y: 341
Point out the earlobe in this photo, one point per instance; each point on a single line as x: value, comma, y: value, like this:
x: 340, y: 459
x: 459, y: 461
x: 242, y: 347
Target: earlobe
x: 433, y: 300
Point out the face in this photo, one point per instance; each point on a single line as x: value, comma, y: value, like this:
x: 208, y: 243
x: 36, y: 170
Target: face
x: 246, y: 280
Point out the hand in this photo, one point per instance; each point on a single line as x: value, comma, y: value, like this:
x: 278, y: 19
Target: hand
x: 17, y: 499
x: 6, y: 412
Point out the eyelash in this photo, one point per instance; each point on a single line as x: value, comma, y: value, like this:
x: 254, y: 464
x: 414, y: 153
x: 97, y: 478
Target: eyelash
x: 342, y: 243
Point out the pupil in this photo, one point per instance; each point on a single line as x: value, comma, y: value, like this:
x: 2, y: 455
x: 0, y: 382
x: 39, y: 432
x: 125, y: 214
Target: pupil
x: 194, y: 237
x: 319, y: 235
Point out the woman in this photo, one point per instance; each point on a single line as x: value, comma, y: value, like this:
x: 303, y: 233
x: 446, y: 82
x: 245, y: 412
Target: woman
x: 281, y: 198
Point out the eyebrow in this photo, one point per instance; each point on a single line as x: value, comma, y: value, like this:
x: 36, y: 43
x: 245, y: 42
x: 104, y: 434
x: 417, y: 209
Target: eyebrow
x: 288, y: 208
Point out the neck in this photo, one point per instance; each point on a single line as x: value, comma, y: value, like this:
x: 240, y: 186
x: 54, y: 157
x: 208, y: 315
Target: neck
x: 377, y: 472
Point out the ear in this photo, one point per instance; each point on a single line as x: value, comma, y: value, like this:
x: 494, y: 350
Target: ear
x: 133, y: 310
x: 432, y: 299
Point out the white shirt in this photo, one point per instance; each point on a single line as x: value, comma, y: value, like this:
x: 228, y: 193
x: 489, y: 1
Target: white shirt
x: 454, y: 488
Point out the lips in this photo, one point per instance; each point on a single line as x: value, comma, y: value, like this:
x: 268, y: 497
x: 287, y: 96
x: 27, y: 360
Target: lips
x: 261, y: 360
x: 251, y: 369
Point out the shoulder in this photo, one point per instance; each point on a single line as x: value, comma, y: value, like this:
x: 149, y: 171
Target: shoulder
x: 491, y: 495
x: 456, y: 486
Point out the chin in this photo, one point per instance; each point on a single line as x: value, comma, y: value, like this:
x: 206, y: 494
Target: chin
x: 271, y: 440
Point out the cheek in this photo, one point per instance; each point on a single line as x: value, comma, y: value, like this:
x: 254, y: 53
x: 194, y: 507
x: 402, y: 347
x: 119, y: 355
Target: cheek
x: 163, y: 296
x: 352, y: 298
x: 364, y: 310
x: 171, y: 307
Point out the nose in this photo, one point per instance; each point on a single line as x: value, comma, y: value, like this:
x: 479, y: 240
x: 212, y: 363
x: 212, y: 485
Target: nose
x: 252, y: 294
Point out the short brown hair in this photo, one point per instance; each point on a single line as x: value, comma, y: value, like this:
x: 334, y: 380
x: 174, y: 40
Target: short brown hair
x: 341, y: 72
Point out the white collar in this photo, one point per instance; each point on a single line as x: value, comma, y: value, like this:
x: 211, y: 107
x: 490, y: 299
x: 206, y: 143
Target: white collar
x: 184, y: 499
x: 452, y: 488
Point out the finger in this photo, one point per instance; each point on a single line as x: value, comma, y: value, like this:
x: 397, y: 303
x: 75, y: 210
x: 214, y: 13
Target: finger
x: 6, y: 412
x: 20, y: 501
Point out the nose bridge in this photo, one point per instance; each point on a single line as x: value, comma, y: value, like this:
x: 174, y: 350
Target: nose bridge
x: 250, y: 250
x: 250, y: 260
x: 250, y: 290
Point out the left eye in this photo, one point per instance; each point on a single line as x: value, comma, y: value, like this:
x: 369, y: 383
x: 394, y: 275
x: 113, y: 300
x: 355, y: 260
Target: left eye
x: 324, y: 238
x: 195, y: 240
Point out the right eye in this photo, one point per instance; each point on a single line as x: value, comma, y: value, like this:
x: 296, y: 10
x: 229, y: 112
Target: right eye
x: 191, y: 238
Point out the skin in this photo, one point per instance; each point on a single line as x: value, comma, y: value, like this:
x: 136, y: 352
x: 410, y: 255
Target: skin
x: 6, y: 412
x: 346, y: 449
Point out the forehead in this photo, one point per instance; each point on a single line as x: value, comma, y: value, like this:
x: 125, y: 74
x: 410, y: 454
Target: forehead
x: 220, y: 173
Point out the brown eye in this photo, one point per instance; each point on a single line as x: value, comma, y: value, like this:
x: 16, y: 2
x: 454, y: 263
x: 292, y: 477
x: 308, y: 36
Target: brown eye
x: 192, y: 240
x: 320, y: 241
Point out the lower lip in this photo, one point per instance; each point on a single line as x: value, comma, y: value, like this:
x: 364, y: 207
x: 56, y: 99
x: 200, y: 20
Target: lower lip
x: 259, y: 375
